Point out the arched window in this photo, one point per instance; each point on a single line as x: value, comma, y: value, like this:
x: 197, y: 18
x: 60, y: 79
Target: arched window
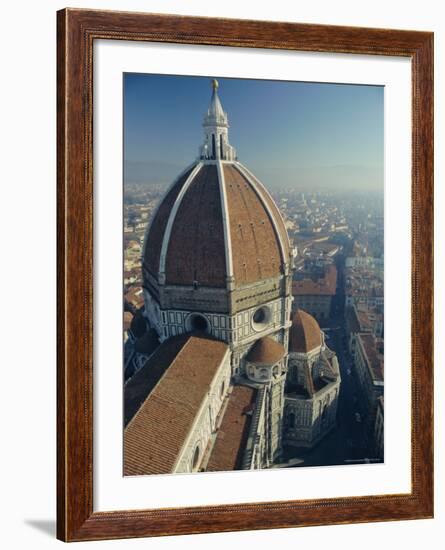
x: 197, y: 322
x: 196, y: 458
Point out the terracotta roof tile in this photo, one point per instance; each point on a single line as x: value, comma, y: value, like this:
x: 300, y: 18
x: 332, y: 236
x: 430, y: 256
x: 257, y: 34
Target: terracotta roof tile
x: 156, y: 434
x: 277, y: 217
x: 266, y: 351
x: 158, y: 225
x: 255, y: 247
x: 305, y: 333
x: 322, y: 286
x: 140, y: 385
x: 227, y: 452
x: 196, y: 250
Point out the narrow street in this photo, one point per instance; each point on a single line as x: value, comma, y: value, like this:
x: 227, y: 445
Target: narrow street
x: 346, y: 443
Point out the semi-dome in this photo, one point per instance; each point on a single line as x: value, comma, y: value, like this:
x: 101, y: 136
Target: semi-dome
x: 266, y: 351
x: 305, y: 333
x: 217, y: 226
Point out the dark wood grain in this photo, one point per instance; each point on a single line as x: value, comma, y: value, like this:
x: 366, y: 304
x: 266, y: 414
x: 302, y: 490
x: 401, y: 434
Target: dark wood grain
x: 76, y: 31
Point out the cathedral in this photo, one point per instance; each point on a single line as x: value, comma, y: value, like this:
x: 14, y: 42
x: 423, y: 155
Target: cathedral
x: 223, y: 376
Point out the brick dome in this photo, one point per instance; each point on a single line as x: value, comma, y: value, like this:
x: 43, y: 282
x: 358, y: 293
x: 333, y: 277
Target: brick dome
x: 266, y: 351
x: 305, y: 333
x: 216, y: 224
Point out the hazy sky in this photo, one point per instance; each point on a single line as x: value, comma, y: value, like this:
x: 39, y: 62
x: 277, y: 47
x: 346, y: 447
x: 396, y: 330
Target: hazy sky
x: 304, y: 135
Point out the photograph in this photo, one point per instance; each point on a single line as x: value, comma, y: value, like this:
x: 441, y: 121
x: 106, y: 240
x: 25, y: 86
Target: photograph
x: 217, y: 213
x: 244, y: 210
x: 253, y: 274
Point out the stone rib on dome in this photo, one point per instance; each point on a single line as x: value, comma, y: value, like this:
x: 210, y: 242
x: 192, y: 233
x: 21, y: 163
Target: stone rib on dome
x: 194, y: 239
x: 217, y: 226
x: 154, y: 237
x: 266, y: 197
x: 305, y: 333
x: 196, y: 246
x: 266, y: 351
x: 255, y: 246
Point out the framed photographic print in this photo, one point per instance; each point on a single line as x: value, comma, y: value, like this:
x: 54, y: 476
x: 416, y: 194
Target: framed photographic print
x: 244, y: 275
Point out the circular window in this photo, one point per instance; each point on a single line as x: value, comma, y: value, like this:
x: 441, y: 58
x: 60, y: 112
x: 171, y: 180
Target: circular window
x: 196, y: 322
x: 261, y: 318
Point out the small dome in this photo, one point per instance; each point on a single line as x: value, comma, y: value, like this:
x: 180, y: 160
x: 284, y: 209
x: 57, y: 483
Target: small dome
x: 305, y: 333
x: 266, y: 351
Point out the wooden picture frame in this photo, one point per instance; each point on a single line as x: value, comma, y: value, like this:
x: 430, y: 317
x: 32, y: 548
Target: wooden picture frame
x: 77, y: 31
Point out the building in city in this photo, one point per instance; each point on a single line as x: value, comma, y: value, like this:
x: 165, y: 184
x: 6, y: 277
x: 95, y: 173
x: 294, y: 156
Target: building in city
x: 313, y: 292
x: 364, y: 261
x: 364, y: 286
x: 362, y: 319
x: 354, y: 325
x: 369, y: 369
x: 379, y: 429
x: 218, y: 297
